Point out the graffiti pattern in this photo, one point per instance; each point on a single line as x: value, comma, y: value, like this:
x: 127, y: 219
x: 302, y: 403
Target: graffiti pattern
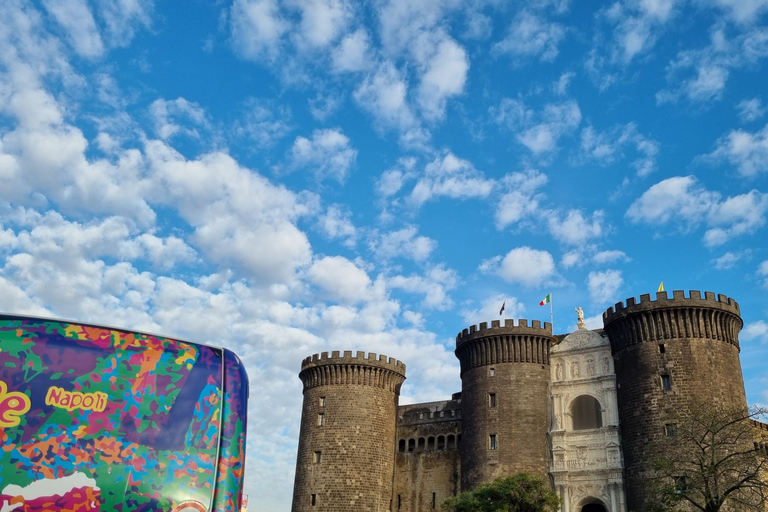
x: 93, y: 418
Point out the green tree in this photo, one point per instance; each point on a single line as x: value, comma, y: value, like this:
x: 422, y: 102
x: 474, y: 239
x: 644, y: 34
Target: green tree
x: 710, y: 458
x: 518, y: 493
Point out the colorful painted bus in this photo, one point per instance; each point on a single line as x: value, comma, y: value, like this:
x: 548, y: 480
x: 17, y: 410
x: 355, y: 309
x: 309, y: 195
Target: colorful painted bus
x: 95, y: 418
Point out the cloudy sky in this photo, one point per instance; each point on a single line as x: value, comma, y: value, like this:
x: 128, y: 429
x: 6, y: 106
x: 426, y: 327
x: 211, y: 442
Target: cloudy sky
x: 285, y: 177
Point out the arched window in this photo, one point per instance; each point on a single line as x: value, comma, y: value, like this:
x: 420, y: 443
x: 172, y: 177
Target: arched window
x: 401, y: 447
x: 451, y: 440
x: 441, y: 442
x: 422, y: 444
x: 431, y: 443
x: 411, y: 444
x: 586, y: 414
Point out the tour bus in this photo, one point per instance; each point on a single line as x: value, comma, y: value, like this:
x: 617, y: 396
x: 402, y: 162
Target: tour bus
x: 96, y: 418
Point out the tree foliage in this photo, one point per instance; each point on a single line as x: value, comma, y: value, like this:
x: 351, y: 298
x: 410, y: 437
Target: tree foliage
x: 710, y: 458
x: 518, y: 493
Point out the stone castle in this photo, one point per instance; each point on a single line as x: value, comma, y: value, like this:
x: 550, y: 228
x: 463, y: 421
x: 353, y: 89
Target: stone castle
x: 578, y: 410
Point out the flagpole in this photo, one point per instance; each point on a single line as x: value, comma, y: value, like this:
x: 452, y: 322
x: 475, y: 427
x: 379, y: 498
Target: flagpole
x: 551, y: 314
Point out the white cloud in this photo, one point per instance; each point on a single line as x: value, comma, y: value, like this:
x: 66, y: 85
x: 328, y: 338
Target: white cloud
x: 328, y: 154
x: 701, y: 75
x: 751, y: 109
x: 572, y: 258
x: 164, y: 112
x: 392, y: 180
x: 450, y: 176
x: 678, y: 198
x: 383, y: 94
x: 604, y: 286
x: 522, y: 200
x: 683, y: 201
x: 556, y: 120
x: 404, y: 243
x: 575, y: 228
x: 76, y: 19
x: 610, y: 256
x: 478, y: 25
x: 743, y: 11
x: 42, y: 158
x: 589, y: 254
x: 736, y: 216
x: 755, y: 331
x: 353, y: 53
x: 522, y: 265
x: 341, y: 279
x: 727, y: 260
x: 264, y: 124
x: 403, y: 21
x: 708, y: 84
x: 321, y: 21
x: 324, y: 105
x: 608, y: 147
x: 762, y: 272
x: 434, y: 285
x: 122, y: 18
x: 637, y: 25
x: 257, y: 28
x: 445, y: 72
x: 748, y: 152
x: 415, y: 32
x: 532, y: 36
x: 232, y: 211
x: 512, y: 113
x: 560, y: 87
x: 335, y: 223
x: 489, y: 310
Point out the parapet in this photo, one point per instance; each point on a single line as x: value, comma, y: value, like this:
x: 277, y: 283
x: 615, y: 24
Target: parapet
x: 678, y: 300
x: 496, y: 329
x: 323, y: 370
x: 382, y: 361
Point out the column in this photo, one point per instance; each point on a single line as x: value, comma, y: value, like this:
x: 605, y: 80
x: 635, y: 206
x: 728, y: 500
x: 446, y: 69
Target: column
x: 564, y: 496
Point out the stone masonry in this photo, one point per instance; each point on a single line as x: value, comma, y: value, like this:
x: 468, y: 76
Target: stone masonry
x: 347, y: 443
x: 583, y: 423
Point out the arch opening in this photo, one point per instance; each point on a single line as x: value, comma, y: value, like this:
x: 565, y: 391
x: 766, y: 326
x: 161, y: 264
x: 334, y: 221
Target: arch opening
x: 593, y: 507
x: 586, y: 413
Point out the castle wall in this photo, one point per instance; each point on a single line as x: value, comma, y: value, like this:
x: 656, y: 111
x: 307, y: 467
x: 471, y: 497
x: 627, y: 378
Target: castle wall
x: 689, y: 345
x: 359, y: 451
x: 505, y: 412
x: 347, y: 440
x: 428, y: 461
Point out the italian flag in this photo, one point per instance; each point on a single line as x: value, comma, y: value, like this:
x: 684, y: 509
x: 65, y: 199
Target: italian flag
x: 546, y: 300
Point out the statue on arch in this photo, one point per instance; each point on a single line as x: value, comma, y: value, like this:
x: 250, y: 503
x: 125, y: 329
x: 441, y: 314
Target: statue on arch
x: 580, y: 312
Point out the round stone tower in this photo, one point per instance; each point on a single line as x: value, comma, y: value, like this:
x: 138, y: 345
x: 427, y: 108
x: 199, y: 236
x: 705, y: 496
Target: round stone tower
x: 504, y: 400
x: 668, y: 355
x: 346, y: 452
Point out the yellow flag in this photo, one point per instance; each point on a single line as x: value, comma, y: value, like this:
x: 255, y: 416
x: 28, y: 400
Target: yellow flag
x: 661, y: 286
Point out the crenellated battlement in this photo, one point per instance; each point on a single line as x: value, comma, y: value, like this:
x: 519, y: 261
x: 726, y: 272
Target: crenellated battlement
x: 482, y: 330
x: 378, y: 371
x: 481, y: 345
x: 359, y: 358
x: 693, y: 317
x: 710, y: 300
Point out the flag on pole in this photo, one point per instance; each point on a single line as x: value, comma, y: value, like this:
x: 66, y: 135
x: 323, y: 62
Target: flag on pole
x: 504, y: 305
x: 546, y: 300
x: 661, y: 286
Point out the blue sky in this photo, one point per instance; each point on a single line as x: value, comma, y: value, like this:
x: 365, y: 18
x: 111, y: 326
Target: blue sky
x: 289, y: 177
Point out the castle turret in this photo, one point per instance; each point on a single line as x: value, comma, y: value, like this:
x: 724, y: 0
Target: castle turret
x: 670, y: 354
x: 504, y: 400
x: 346, y: 451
